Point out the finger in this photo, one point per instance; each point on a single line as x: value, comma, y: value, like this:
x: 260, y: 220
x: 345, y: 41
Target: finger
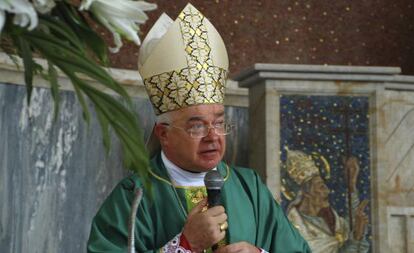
x: 221, y: 250
x: 221, y: 236
x: 365, y: 203
x: 199, y: 207
x: 233, y: 248
x: 216, y: 234
x: 226, y: 249
x: 220, y: 218
x: 362, y: 205
x: 222, y: 227
x: 216, y: 210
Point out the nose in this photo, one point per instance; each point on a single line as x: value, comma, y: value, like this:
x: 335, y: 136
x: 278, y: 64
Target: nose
x: 211, y: 134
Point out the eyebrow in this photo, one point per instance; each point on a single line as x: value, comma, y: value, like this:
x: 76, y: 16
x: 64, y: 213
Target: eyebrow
x: 201, y: 118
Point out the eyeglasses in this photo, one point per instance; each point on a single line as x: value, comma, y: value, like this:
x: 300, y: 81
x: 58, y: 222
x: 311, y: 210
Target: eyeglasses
x: 202, y: 130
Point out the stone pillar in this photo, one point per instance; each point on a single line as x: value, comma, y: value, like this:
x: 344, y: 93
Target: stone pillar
x: 388, y: 161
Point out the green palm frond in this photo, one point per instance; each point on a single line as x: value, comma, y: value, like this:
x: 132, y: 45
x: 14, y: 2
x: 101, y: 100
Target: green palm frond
x: 68, y: 43
x: 88, y: 37
x: 54, y: 86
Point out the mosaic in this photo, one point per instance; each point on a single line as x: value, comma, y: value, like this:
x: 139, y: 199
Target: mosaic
x: 326, y: 169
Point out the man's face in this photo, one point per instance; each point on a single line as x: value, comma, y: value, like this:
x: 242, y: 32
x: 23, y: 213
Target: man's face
x: 193, y: 154
x: 319, y: 191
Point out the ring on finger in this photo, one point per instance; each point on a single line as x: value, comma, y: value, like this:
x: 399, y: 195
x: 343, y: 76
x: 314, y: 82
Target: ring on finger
x: 223, y: 226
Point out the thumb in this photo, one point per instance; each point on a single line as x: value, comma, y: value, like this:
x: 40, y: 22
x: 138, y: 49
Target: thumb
x: 199, y: 207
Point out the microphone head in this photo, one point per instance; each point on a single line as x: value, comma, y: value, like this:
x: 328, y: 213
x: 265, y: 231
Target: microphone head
x: 213, y: 180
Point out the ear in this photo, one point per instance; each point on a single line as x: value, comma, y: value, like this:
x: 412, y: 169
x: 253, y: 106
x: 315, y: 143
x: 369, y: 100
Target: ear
x: 161, y: 132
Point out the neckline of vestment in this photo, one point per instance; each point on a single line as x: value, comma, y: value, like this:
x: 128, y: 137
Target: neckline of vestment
x: 165, y: 178
x: 160, y: 173
x: 183, y: 177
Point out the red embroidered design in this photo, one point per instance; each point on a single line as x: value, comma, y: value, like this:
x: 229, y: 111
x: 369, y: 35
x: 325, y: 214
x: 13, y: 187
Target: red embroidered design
x: 174, y: 246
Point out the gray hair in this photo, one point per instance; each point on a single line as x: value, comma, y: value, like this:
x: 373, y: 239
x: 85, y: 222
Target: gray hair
x: 165, y: 117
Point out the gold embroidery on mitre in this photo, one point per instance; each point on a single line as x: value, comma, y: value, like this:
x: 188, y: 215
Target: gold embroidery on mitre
x: 201, y: 82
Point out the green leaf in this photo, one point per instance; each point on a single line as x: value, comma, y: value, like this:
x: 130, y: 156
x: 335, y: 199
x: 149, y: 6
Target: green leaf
x: 122, y: 121
x: 86, y: 34
x: 60, y: 30
x: 105, y: 130
x: 125, y: 125
x: 29, y: 66
x: 52, y: 47
x: 53, y: 80
x: 85, y: 111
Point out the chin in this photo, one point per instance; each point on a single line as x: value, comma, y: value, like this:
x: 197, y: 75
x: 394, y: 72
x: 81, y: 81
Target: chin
x: 205, y: 169
x: 211, y: 164
x: 208, y: 165
x: 210, y: 160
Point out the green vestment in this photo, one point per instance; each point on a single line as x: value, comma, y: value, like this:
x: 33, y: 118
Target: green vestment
x: 253, y: 215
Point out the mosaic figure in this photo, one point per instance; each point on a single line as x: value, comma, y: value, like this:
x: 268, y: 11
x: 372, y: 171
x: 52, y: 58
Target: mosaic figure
x: 310, y: 211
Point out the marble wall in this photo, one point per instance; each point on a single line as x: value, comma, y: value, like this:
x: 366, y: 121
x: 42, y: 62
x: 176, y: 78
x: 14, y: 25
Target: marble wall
x: 396, y: 190
x: 54, y: 174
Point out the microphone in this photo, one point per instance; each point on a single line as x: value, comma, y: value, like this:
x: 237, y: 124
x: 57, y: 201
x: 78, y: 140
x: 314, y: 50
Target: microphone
x: 213, y: 181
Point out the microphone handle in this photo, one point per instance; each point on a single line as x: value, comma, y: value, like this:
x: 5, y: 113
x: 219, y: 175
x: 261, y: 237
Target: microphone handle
x: 214, y: 197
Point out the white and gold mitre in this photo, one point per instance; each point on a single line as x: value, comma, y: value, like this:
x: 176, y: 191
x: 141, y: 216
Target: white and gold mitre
x: 183, y: 62
x: 300, y: 166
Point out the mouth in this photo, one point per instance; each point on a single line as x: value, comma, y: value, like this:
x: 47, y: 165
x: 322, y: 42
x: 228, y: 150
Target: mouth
x: 208, y: 152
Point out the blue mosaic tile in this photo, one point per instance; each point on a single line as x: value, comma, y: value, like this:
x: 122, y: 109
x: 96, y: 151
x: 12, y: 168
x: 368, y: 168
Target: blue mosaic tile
x: 331, y: 129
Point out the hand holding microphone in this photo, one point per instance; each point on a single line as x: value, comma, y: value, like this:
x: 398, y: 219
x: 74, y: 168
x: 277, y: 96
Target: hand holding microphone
x: 205, y: 229
x: 213, y: 181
